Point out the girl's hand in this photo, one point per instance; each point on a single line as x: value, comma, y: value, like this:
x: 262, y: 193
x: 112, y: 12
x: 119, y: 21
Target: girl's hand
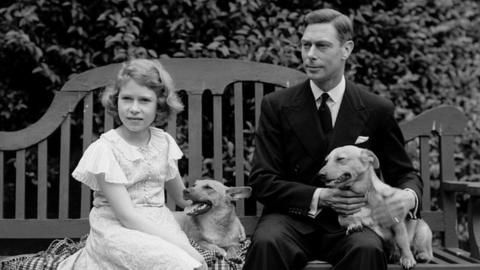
x: 197, y: 256
x: 203, y: 267
x: 175, y: 189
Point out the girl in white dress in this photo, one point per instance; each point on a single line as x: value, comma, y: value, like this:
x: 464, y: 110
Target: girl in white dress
x: 128, y: 168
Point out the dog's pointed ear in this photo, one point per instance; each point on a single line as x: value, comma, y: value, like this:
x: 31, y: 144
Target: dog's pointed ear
x: 237, y: 193
x: 369, y: 156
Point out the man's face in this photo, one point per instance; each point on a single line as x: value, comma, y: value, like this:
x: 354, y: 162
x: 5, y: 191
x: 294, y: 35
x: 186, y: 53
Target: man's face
x: 322, y: 53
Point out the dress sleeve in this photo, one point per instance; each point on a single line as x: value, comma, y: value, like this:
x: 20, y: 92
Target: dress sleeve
x: 99, y: 159
x: 173, y: 154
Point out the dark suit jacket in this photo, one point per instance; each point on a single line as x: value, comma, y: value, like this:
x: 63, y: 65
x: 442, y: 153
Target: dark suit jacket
x: 290, y: 149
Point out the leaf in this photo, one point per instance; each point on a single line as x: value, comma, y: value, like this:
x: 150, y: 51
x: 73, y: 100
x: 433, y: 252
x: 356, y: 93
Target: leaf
x: 213, y: 46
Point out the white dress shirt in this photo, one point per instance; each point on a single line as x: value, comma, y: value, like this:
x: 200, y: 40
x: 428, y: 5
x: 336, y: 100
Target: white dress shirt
x: 336, y: 96
x: 333, y: 103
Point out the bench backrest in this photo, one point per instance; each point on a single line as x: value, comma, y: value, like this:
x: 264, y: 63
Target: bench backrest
x: 222, y: 99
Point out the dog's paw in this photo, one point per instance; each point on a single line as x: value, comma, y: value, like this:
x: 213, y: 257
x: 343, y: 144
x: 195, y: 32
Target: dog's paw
x: 354, y: 228
x: 219, y: 252
x: 407, y: 262
x: 423, y: 257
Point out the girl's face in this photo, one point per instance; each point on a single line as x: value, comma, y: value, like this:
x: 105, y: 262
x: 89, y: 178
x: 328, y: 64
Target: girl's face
x: 137, y: 107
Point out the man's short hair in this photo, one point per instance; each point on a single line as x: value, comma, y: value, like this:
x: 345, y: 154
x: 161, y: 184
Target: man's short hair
x: 341, y: 22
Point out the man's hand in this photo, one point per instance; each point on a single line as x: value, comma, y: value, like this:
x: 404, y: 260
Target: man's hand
x: 344, y: 202
x: 394, y: 208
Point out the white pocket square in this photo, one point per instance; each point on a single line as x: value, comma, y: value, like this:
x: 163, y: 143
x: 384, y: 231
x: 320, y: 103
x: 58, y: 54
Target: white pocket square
x: 361, y: 139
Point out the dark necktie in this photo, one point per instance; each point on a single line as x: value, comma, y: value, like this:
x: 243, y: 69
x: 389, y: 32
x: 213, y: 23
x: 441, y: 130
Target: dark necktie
x: 324, y: 113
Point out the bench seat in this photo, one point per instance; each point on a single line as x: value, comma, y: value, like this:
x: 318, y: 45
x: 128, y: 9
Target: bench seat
x: 444, y: 259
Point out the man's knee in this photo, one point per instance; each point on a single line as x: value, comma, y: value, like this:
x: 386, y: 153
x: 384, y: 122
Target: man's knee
x: 368, y: 248
x: 272, y: 231
x: 277, y: 250
x: 361, y: 251
x: 367, y: 244
x: 271, y: 239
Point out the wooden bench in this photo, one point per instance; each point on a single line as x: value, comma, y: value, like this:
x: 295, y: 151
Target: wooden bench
x: 222, y: 98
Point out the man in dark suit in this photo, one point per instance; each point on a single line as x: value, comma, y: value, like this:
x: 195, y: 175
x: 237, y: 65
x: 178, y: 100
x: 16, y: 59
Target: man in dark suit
x: 298, y: 127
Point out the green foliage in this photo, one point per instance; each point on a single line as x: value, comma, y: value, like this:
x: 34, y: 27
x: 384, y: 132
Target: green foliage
x: 417, y: 53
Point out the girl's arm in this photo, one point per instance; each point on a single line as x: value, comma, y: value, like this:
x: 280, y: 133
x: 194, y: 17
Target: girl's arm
x: 124, y: 210
x: 175, y: 189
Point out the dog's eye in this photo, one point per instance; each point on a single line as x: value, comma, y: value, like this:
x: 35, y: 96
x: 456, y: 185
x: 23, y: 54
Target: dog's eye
x: 207, y: 187
x: 339, y: 159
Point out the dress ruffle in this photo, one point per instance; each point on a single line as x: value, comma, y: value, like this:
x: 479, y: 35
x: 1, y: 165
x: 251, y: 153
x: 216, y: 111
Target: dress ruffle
x: 174, y: 154
x: 99, y: 157
x: 99, y: 160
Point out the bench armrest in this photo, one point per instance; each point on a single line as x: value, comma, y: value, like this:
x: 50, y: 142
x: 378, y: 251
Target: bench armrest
x: 473, y: 215
x: 474, y: 219
x: 473, y: 188
x: 455, y: 186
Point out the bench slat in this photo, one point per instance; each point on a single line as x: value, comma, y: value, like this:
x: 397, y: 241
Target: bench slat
x: 20, y: 184
x: 259, y: 92
x: 239, y: 157
x: 474, y: 228
x: 437, y: 260
x: 172, y: 130
x: 449, y: 257
x: 86, y: 141
x: 217, y: 137
x: 194, y: 137
x: 462, y: 254
x: 437, y: 267
x: 448, y: 201
x: 42, y: 180
x: 2, y: 181
x: 424, y: 149
x: 318, y: 265
x: 64, y: 184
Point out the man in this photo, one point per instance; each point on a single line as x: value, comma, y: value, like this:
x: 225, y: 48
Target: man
x: 298, y: 127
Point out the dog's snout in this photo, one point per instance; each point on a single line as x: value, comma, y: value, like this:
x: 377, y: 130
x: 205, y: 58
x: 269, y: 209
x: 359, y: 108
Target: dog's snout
x: 322, y: 176
x: 186, y: 191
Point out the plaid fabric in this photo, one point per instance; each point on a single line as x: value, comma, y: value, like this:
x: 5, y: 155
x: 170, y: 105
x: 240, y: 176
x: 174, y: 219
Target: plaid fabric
x: 60, y: 249
x: 49, y: 259
x: 13, y: 262
x: 216, y: 261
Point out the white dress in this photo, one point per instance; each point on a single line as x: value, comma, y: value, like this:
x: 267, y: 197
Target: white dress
x: 143, y: 171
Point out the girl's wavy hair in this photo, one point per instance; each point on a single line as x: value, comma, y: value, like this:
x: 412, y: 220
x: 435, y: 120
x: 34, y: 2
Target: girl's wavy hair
x: 148, y: 73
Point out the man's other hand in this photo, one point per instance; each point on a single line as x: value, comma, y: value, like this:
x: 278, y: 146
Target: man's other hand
x: 344, y: 202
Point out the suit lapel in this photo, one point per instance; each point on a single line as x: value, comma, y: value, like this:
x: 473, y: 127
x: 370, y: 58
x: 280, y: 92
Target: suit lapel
x: 302, y: 117
x: 351, y: 119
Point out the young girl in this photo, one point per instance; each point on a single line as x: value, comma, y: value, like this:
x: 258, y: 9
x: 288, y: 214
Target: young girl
x: 128, y: 169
